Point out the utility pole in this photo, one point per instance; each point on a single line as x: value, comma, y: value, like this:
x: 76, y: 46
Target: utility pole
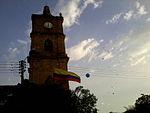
x: 22, y: 69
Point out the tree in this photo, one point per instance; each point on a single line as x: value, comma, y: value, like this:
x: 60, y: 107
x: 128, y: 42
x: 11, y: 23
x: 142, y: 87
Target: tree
x: 130, y: 109
x: 29, y: 97
x: 83, y: 101
x: 142, y: 105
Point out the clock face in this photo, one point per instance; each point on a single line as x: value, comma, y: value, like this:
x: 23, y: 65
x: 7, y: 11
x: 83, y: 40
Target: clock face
x: 48, y: 25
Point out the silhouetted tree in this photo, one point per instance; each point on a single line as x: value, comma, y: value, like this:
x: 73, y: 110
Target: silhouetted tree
x: 142, y: 105
x: 83, y: 101
x: 130, y: 109
x: 29, y: 97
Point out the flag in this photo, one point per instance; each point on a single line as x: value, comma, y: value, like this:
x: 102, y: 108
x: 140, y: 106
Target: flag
x: 60, y: 74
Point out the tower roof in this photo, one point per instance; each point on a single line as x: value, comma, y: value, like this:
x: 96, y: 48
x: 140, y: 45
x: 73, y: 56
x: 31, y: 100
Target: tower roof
x: 46, y: 11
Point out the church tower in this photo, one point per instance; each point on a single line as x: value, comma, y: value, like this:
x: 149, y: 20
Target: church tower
x: 47, y: 46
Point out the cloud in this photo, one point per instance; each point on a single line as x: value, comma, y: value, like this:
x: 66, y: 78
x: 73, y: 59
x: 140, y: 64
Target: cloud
x: 29, y: 29
x: 94, y: 2
x: 13, y: 51
x: 148, y: 19
x: 140, y: 52
x: 138, y: 61
x: 106, y: 55
x: 137, y: 11
x: 114, y: 19
x: 17, y: 50
x: 12, y: 54
x: 141, y: 9
x: 67, y: 39
x: 137, y: 4
x: 89, y: 48
x: 23, y: 42
x: 73, y: 9
x: 128, y: 15
x: 83, y: 49
x: 130, y: 49
x: 133, y: 48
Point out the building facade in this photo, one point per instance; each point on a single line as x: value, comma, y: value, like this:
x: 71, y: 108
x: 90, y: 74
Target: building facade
x: 47, y: 47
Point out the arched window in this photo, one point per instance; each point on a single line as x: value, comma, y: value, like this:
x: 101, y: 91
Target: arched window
x: 48, y: 45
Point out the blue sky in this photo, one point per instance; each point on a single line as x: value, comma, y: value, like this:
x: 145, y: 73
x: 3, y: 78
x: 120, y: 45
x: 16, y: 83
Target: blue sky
x: 107, y: 38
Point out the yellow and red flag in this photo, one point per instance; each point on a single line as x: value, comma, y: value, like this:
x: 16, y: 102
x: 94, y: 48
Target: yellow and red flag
x: 60, y: 74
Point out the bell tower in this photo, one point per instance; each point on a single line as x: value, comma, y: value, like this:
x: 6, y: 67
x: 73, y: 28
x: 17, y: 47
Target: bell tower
x: 47, y: 46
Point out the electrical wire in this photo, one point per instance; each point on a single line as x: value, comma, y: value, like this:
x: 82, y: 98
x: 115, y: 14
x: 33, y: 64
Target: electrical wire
x: 111, y: 73
x: 13, y: 67
x: 9, y: 67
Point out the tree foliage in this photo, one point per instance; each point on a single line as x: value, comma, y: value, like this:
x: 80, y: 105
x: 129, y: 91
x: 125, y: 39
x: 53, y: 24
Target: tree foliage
x: 29, y: 97
x: 142, y: 105
x: 83, y: 101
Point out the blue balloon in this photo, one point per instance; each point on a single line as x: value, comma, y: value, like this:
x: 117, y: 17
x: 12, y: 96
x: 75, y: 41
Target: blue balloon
x: 87, y: 75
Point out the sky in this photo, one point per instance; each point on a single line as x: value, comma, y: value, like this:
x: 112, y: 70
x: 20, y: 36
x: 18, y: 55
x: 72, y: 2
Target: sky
x: 109, y: 39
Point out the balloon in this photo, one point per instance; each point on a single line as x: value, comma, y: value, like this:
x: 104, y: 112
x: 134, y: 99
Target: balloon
x: 87, y: 75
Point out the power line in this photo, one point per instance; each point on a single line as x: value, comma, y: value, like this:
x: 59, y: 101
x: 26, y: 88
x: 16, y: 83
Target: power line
x: 14, y: 67
x: 102, y: 69
x: 111, y: 73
